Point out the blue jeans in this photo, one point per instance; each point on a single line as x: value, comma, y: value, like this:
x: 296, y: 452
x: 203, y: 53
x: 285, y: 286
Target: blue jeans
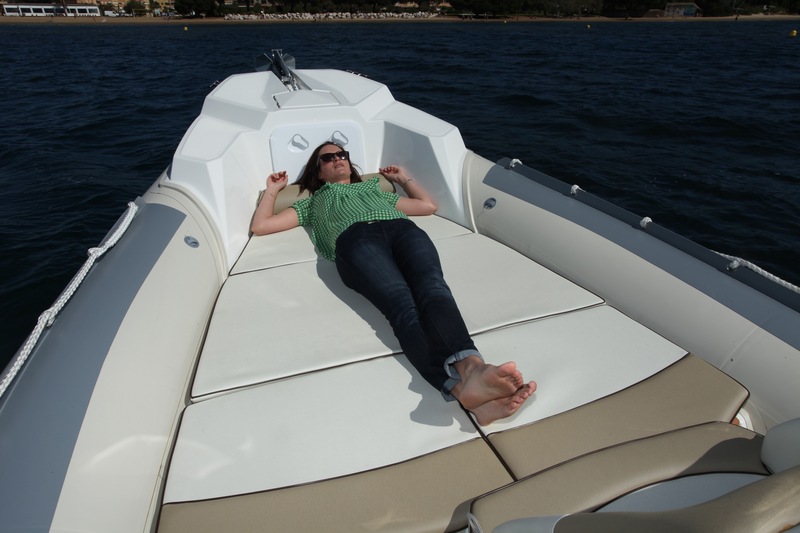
x: 395, y: 266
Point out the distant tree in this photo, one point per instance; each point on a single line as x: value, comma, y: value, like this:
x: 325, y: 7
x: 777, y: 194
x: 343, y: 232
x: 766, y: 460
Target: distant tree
x: 382, y: 5
x: 626, y: 8
x: 790, y: 6
x: 134, y: 7
x: 291, y: 7
x: 198, y: 7
x: 716, y: 8
x: 478, y: 7
x: 535, y: 7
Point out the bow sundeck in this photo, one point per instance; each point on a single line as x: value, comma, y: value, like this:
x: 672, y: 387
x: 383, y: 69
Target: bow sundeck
x: 203, y: 379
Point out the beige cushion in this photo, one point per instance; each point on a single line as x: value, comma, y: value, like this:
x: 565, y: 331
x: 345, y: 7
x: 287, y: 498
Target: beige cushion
x: 687, y: 393
x: 588, y: 482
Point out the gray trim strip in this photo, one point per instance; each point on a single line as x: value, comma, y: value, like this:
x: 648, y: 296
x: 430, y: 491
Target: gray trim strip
x: 772, y: 307
x: 42, y: 413
x: 744, y: 275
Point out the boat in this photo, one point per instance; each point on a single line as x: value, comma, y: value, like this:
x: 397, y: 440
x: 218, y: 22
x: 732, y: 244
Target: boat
x: 190, y: 377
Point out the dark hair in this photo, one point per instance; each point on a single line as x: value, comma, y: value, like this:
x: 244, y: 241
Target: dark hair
x: 310, y: 181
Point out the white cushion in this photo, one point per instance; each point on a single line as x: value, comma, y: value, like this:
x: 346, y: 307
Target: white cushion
x: 313, y: 427
x: 284, y: 321
x: 362, y: 416
x: 273, y: 323
x: 577, y: 358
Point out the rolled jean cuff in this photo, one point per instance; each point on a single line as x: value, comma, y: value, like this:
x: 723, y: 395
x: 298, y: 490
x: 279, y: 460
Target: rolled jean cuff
x: 453, y: 377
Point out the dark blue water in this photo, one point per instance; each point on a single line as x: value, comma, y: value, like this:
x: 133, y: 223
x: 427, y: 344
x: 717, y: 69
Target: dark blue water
x: 696, y: 125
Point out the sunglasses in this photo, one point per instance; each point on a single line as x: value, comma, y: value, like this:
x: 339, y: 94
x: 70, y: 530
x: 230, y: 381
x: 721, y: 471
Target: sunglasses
x: 344, y: 155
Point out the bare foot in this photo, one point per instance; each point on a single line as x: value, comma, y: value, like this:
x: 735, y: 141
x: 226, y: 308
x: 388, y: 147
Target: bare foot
x: 503, y: 407
x: 481, y: 383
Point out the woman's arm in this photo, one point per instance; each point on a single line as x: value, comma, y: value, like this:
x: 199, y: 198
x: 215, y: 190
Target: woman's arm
x: 419, y: 201
x: 265, y: 221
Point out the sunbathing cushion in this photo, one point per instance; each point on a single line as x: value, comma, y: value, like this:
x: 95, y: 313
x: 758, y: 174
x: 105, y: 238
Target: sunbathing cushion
x: 261, y: 316
x: 398, y: 498
x: 304, y: 429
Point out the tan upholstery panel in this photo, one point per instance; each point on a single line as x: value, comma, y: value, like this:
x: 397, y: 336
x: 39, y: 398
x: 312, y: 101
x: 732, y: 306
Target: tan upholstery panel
x: 429, y: 493
x: 585, y: 483
x: 688, y: 393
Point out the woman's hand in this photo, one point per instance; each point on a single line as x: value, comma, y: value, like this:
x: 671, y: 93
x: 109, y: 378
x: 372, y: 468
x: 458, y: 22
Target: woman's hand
x: 276, y: 182
x: 394, y: 174
x: 265, y: 220
x: 418, y: 201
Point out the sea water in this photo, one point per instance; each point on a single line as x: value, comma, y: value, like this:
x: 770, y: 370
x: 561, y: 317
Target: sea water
x: 694, y: 124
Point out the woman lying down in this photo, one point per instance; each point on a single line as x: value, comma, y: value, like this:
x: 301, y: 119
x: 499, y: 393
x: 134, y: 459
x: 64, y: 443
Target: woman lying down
x: 382, y: 255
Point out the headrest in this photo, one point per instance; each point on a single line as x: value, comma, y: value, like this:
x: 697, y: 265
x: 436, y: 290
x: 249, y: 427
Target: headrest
x: 781, y: 448
x: 292, y: 193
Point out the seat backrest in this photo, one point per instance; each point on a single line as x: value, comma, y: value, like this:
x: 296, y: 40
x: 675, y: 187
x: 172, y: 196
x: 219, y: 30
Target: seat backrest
x: 776, y: 497
x: 781, y: 448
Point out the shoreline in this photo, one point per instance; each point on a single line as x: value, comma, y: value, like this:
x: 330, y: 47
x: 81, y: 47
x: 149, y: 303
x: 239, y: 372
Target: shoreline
x: 89, y: 21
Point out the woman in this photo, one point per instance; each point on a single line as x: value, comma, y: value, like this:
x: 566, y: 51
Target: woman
x: 382, y: 255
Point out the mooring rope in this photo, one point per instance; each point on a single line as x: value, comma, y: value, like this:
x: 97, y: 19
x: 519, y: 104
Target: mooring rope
x: 736, y: 262
x: 47, y: 318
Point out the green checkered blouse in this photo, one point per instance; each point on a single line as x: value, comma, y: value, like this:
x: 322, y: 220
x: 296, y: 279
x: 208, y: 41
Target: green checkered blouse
x: 337, y: 206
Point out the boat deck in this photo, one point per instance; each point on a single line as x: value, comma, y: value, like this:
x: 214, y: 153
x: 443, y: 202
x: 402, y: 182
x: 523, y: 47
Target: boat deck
x: 306, y: 415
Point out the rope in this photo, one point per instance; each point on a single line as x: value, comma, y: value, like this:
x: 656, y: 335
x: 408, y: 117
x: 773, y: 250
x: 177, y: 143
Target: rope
x: 736, y: 262
x: 47, y: 318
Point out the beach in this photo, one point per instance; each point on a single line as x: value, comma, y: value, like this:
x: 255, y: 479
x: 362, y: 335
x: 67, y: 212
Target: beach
x: 89, y: 21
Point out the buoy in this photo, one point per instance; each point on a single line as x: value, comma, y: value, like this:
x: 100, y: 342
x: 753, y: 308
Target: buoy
x: 793, y: 33
x: 589, y: 26
x: 185, y: 28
